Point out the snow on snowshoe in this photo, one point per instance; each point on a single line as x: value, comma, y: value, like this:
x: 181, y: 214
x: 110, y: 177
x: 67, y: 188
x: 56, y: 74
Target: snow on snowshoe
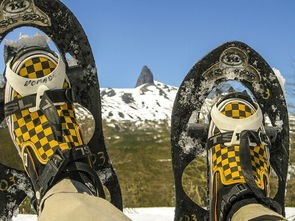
x: 232, y: 61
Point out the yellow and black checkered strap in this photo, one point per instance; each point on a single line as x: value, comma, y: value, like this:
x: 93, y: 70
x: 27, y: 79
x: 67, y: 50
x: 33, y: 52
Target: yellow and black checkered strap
x: 245, y: 159
x: 220, y: 138
x: 64, y: 163
x: 29, y: 101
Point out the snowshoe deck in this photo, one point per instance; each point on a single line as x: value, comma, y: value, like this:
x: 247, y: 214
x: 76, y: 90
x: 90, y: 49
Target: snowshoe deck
x: 58, y: 22
x: 15, y: 186
x: 232, y: 61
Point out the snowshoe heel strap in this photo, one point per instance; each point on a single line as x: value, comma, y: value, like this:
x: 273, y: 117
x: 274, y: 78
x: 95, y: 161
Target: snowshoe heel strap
x: 26, y: 86
x: 225, y: 123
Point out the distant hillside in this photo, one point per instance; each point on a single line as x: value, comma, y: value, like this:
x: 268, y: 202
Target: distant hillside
x: 147, y: 102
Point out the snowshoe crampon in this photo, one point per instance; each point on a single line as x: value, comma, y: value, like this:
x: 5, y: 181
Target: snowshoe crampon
x: 232, y: 61
x: 58, y: 22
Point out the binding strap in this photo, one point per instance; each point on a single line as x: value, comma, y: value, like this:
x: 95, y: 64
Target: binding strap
x: 222, y: 138
x: 26, y: 86
x: 29, y: 101
x: 225, y: 123
x: 236, y: 193
x: 61, y: 165
x: 46, y: 104
x: 49, y: 110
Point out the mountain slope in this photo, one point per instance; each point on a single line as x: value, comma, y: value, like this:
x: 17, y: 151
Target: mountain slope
x: 147, y: 102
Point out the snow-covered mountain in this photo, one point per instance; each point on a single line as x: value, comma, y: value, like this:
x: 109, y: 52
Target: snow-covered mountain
x: 147, y: 102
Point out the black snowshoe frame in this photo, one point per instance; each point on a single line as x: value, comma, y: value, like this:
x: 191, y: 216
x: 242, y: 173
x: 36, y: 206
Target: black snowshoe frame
x: 59, y: 23
x: 232, y: 61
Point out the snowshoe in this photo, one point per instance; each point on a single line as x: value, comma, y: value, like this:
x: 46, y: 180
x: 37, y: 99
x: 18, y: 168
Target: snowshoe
x: 25, y: 109
x: 232, y: 61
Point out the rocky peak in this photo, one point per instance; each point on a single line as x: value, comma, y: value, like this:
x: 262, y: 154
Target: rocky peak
x: 145, y: 77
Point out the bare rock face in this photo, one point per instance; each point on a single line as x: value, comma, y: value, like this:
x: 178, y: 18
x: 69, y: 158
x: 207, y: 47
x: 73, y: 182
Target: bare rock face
x: 145, y: 77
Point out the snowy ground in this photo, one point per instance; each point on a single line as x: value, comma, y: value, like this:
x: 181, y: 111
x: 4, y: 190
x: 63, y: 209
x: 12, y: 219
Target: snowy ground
x: 149, y: 214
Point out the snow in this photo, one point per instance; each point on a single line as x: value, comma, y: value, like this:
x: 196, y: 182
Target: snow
x: 25, y: 40
x: 146, y: 102
x: 148, y: 214
x: 189, y: 144
x: 281, y: 79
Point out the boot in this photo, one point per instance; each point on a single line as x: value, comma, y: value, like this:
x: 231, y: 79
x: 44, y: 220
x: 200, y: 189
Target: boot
x: 40, y: 114
x: 238, y: 157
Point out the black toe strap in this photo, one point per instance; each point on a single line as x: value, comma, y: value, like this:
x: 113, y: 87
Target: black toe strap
x: 29, y: 101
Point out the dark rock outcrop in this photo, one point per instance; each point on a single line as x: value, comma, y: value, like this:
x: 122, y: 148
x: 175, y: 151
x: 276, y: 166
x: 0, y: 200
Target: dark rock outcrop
x: 110, y: 93
x: 127, y: 98
x: 145, y: 77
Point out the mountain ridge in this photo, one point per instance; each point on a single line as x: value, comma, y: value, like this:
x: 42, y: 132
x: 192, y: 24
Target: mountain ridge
x: 147, y: 102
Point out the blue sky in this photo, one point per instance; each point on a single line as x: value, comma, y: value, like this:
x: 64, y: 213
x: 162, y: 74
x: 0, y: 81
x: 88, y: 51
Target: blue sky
x: 170, y: 36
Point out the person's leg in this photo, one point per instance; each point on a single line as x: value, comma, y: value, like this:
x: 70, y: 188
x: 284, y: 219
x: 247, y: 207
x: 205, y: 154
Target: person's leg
x: 256, y: 212
x: 69, y: 201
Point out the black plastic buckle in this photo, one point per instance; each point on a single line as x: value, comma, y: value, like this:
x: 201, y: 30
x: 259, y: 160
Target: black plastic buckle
x: 264, y: 139
x: 70, y: 95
